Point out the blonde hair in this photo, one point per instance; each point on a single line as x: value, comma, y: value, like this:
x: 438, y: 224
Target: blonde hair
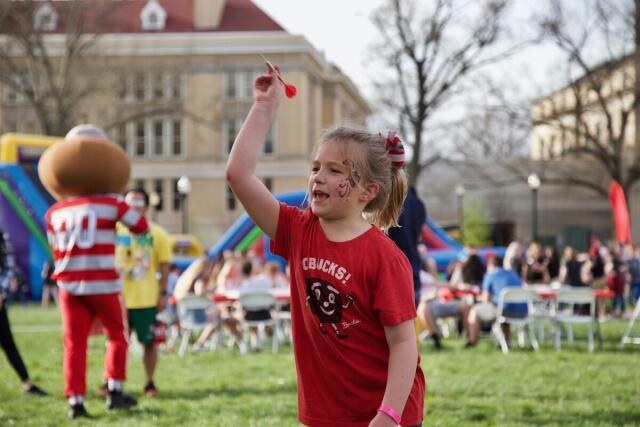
x: 374, y: 165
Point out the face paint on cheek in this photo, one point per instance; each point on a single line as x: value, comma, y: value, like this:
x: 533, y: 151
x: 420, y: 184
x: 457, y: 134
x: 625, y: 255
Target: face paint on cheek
x: 354, y: 176
x: 344, y: 188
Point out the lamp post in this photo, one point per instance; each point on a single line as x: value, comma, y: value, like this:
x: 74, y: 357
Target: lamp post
x: 534, y: 184
x: 460, y: 192
x: 184, y: 188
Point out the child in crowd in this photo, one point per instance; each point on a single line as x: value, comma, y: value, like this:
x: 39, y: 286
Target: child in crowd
x: 616, y: 280
x: 351, y: 288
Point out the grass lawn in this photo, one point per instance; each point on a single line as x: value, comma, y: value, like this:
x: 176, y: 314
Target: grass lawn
x: 478, y: 387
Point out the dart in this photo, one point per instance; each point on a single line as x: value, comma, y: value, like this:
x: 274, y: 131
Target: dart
x: 289, y: 90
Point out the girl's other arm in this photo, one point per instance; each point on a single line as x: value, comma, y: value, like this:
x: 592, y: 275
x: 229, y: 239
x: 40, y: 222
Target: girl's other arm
x: 403, y: 359
x: 240, y: 172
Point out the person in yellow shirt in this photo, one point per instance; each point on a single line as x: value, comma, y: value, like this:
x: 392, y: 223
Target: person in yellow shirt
x: 143, y: 262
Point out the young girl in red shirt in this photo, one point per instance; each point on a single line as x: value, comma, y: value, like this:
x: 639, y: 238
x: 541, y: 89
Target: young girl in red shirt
x: 352, y: 302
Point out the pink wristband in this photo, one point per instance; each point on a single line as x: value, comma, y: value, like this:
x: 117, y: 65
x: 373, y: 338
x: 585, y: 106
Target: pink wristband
x: 390, y: 412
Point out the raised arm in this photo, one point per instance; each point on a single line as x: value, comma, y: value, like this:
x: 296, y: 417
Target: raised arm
x: 240, y: 172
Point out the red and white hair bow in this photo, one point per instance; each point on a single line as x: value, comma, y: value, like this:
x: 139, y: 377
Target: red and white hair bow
x: 395, y: 149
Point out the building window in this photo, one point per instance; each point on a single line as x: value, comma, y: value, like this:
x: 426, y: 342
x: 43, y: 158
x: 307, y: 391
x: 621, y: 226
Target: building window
x: 239, y: 84
x: 141, y: 148
x: 231, y: 199
x: 231, y: 128
x: 10, y: 125
x: 177, y: 197
x: 268, y: 182
x: 139, y: 87
x: 121, y: 88
x: 10, y: 96
x: 158, y: 188
x: 249, y: 78
x: 139, y: 183
x: 120, y: 137
x: 230, y: 90
x: 269, y: 142
x: 176, y: 86
x: 176, y: 143
x: 45, y: 18
x: 158, y: 138
x: 158, y: 86
x: 153, y: 16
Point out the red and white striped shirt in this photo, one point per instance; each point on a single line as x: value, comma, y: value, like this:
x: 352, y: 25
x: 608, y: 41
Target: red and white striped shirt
x: 81, y: 232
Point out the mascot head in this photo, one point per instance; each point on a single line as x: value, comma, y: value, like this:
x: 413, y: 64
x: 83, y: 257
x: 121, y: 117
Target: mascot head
x: 84, y: 163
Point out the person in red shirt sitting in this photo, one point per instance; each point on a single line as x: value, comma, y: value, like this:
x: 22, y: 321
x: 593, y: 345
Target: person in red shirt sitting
x: 352, y: 297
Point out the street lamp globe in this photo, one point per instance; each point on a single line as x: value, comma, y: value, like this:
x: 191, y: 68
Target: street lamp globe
x: 460, y: 190
x: 154, y: 199
x: 184, y: 185
x: 534, y: 181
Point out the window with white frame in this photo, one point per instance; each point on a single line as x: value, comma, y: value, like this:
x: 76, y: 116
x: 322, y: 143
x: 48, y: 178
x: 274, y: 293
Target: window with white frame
x: 249, y: 77
x: 139, y: 86
x: 158, y: 137
x: 268, y: 182
x: 120, y: 137
x: 230, y: 86
x: 140, y: 140
x: 158, y: 86
x: 230, y: 130
x: 10, y: 125
x: 176, y: 86
x: 9, y: 95
x: 269, y: 142
x: 176, y: 140
x: 239, y: 84
x: 140, y: 183
x: 153, y: 16
x: 122, y: 89
x: 45, y: 18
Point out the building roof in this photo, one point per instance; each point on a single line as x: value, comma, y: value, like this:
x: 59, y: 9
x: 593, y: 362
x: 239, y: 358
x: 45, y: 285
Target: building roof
x: 124, y: 17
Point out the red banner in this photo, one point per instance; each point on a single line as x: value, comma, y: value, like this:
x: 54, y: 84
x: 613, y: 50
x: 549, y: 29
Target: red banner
x: 620, y: 212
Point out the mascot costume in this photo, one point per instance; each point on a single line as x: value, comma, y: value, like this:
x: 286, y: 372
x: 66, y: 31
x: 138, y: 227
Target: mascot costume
x: 85, y: 172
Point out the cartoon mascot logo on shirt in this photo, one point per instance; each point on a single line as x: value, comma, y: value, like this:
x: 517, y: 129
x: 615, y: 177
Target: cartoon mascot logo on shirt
x: 326, y: 303
x: 84, y: 163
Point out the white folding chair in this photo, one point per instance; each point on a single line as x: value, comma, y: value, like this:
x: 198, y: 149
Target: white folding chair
x: 566, y: 300
x: 628, y: 337
x: 256, y: 301
x: 543, y: 307
x: 192, y: 315
x: 516, y: 296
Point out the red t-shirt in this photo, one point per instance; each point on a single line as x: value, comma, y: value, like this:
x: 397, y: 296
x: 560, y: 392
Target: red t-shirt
x: 342, y: 295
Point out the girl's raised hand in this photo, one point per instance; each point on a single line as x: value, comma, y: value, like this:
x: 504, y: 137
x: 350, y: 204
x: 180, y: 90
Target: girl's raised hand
x: 268, y: 89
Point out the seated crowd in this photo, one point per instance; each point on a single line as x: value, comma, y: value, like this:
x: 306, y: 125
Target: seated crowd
x: 240, y: 272
x: 468, y: 292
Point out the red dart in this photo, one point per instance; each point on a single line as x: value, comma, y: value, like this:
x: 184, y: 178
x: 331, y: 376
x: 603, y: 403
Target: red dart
x: 289, y: 90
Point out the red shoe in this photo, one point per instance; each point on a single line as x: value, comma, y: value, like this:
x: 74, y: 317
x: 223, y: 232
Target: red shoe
x: 150, y: 389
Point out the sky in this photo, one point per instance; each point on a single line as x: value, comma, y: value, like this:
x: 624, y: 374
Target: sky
x: 343, y: 30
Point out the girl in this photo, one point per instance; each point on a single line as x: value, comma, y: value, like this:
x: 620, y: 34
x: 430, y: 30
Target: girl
x: 352, y: 302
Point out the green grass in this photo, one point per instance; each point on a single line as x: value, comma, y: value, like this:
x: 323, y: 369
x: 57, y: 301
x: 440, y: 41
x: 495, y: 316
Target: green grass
x: 477, y: 387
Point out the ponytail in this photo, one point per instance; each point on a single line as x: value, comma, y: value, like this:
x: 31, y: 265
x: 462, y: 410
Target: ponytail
x: 388, y: 215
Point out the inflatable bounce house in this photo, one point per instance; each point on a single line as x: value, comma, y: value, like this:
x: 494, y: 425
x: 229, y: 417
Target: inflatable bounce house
x: 244, y: 235
x: 23, y: 203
